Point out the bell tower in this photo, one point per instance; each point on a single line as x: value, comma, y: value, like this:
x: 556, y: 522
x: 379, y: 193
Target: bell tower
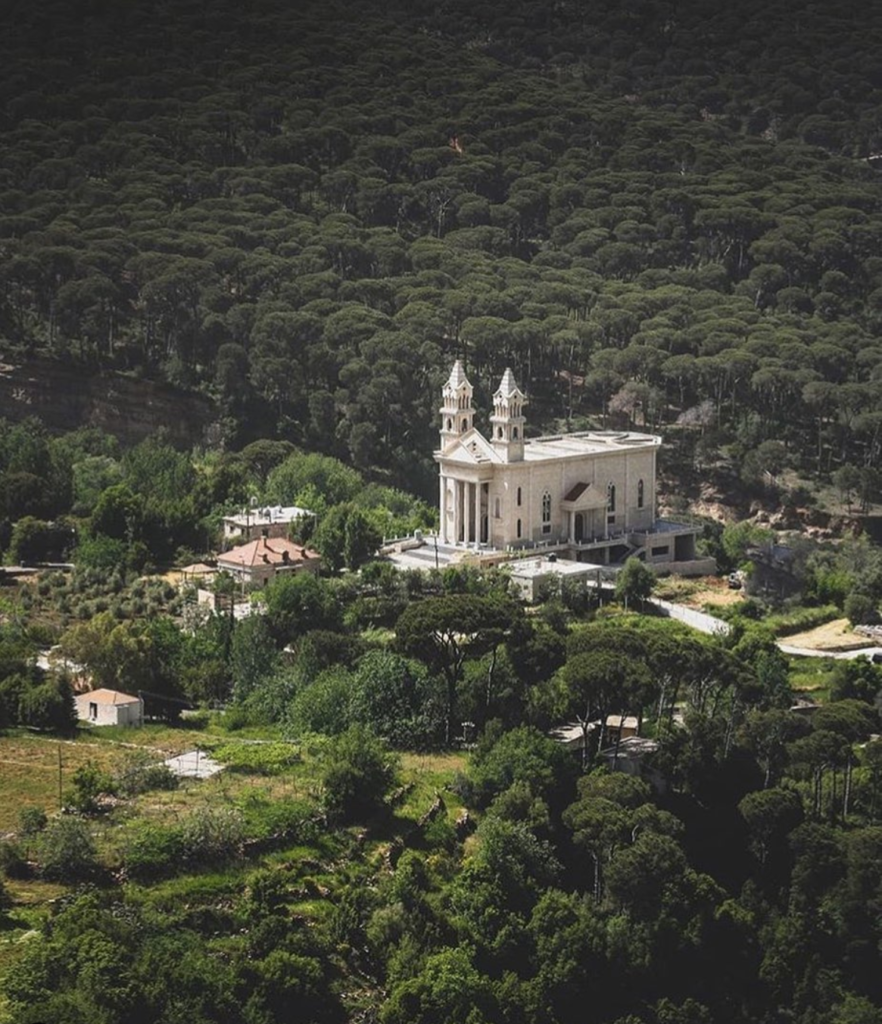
x: 457, y: 412
x: 508, y: 420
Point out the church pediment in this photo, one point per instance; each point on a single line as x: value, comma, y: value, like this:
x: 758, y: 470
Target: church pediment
x: 472, y: 449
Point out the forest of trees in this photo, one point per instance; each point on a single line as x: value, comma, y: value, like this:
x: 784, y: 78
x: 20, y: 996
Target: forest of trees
x: 661, y: 216
x: 747, y: 888
x: 306, y: 211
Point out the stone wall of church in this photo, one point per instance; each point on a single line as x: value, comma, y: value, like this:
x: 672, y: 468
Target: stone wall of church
x: 512, y: 520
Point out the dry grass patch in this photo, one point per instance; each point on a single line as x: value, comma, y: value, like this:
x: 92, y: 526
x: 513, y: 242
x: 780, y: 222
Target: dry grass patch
x: 430, y: 774
x: 29, y: 771
x: 696, y: 593
x: 33, y: 891
x: 836, y: 635
x: 166, y: 740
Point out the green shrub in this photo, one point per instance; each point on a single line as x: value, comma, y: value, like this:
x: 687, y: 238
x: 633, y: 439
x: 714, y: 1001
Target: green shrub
x: 31, y: 820
x: 89, y: 782
x: 213, y: 835
x: 861, y: 610
x: 237, y: 717
x: 293, y: 821
x: 153, y: 851
x: 257, y: 758
x: 200, y: 719
x: 13, y: 863
x: 358, y: 773
x: 801, y: 619
x: 144, y: 780
x: 66, y: 851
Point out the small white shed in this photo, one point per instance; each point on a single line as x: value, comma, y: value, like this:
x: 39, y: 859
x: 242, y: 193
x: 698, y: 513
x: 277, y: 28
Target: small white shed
x: 109, y: 707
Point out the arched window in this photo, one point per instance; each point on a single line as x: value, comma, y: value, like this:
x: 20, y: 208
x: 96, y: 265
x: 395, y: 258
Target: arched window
x: 611, y: 497
x: 546, y: 512
x: 639, y: 494
x: 465, y: 424
x: 499, y: 432
x: 519, y: 497
x: 514, y: 433
x: 449, y: 423
x: 519, y: 529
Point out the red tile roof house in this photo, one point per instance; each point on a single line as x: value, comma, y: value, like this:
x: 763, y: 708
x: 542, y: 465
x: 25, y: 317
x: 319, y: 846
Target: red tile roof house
x: 267, y: 557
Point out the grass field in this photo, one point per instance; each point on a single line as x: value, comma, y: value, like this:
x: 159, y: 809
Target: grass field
x: 29, y: 771
x: 29, y: 763
x: 810, y: 677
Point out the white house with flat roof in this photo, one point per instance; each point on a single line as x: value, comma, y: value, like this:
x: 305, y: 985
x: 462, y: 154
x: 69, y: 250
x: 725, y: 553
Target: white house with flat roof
x: 531, y: 575
x: 263, y: 521
x: 591, y: 495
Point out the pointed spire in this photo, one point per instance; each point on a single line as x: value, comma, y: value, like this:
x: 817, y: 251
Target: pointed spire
x: 457, y: 375
x: 508, y: 386
x: 508, y: 419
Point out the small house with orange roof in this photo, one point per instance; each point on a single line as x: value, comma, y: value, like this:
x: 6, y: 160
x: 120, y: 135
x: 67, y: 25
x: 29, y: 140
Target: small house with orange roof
x: 261, y: 560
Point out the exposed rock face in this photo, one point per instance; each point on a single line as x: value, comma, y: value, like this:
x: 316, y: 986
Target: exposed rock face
x: 65, y: 398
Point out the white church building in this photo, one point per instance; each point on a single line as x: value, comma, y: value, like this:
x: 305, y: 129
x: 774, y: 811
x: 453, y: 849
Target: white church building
x: 590, y: 495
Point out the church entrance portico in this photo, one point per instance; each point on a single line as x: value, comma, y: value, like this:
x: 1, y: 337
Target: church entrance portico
x: 466, y: 517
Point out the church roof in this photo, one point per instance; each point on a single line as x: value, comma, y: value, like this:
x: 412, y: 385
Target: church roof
x: 551, y: 448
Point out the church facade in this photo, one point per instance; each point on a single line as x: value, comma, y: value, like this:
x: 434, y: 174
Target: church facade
x: 590, y: 495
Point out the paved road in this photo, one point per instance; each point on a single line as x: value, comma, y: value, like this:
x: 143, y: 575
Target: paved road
x: 30, y: 570
x: 708, y: 624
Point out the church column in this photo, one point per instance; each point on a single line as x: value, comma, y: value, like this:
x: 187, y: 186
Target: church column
x: 477, y: 487
x: 443, y: 509
x: 457, y: 511
x: 571, y: 533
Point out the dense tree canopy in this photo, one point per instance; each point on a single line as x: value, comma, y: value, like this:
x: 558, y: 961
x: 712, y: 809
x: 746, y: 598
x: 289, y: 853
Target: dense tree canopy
x: 644, y: 217
x: 301, y: 214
